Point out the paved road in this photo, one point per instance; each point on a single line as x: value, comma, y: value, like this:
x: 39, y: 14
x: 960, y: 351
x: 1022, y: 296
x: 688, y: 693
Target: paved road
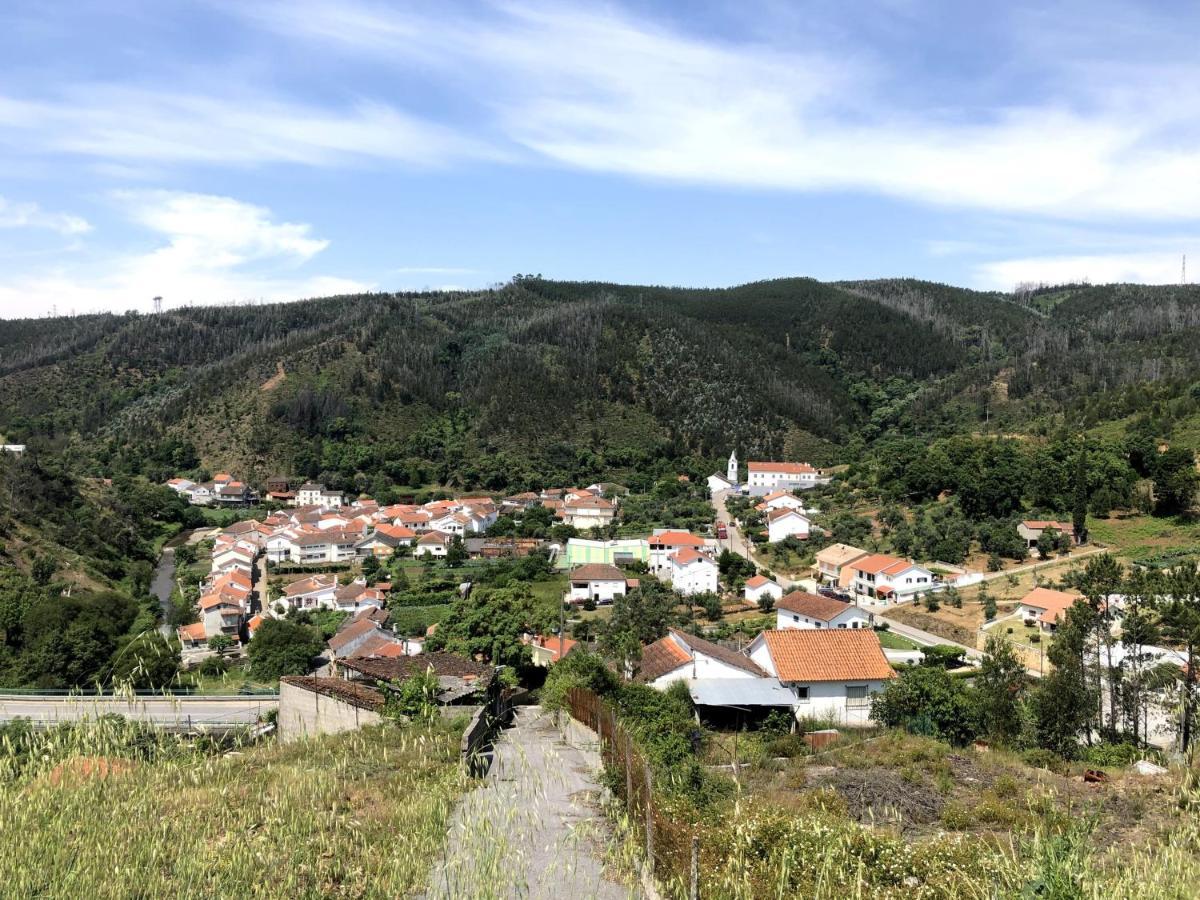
x: 924, y: 637
x: 532, y: 830
x: 737, y: 542
x: 175, y: 712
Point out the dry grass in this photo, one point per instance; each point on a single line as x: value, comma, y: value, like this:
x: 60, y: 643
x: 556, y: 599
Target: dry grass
x: 357, y: 815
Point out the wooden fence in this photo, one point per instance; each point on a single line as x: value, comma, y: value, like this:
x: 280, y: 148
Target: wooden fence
x: 671, y: 847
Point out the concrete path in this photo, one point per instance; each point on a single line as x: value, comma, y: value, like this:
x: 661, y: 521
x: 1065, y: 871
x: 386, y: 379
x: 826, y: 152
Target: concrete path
x: 532, y: 829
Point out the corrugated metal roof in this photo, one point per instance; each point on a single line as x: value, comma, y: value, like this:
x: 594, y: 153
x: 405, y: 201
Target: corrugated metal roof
x: 740, y: 692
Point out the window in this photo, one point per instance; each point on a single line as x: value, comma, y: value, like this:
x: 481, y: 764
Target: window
x: 843, y: 625
x: 801, y: 692
x: 856, y: 696
x: 795, y: 618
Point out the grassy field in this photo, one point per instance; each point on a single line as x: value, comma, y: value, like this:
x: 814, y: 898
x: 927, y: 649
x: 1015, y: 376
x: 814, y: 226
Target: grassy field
x: 895, y: 816
x: 1145, y: 538
x: 358, y: 815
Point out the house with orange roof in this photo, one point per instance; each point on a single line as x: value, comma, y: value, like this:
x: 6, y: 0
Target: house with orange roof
x: 663, y: 543
x: 545, y: 651
x: 1031, y: 530
x: 801, y: 609
x: 1047, y: 607
x: 692, y: 572
x: 383, y: 541
x: 832, y: 673
x: 684, y: 657
x: 314, y: 592
x: 761, y: 586
x: 587, y: 511
x: 832, y: 564
x: 890, y: 578
x: 193, y: 636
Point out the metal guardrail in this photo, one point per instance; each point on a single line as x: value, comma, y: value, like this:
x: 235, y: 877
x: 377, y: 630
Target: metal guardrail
x: 183, y: 696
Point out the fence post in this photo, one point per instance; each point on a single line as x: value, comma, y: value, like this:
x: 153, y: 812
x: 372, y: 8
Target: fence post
x: 649, y: 823
x: 694, y: 894
x: 628, y: 775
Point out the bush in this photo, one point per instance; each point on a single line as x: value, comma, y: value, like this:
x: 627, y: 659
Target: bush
x: 214, y: 666
x: 1040, y: 758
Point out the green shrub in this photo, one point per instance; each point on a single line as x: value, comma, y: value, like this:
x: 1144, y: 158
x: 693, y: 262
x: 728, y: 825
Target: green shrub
x: 1044, y: 759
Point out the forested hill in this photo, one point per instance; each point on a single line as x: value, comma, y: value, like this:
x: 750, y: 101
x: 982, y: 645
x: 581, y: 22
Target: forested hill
x: 542, y: 381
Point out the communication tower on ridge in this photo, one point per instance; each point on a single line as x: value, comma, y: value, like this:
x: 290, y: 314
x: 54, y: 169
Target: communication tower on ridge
x: 158, y: 304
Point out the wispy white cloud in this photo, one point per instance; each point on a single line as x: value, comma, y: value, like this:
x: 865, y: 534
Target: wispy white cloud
x: 606, y: 91
x: 208, y: 249
x: 117, y: 125
x: 30, y: 215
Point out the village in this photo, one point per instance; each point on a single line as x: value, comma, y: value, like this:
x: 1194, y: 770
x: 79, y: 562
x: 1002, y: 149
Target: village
x: 820, y: 642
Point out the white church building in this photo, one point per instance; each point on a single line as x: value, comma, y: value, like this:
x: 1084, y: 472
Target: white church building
x: 727, y: 482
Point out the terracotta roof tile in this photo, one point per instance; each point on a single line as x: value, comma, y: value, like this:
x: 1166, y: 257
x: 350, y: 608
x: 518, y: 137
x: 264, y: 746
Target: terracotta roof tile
x: 813, y: 605
x: 814, y: 655
x: 788, y: 468
x: 663, y: 656
x: 597, y: 572
x: 716, y: 651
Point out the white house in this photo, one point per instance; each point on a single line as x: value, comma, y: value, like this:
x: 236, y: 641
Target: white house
x: 16, y: 449
x: 832, y: 673
x: 800, y: 609
x: 692, y: 572
x: 685, y: 657
x: 311, y: 494
x: 890, y: 578
x: 597, y: 582
x: 664, y: 543
x: 786, y: 522
x: 588, y: 512
x: 1046, y: 606
x: 318, y: 546
x: 760, y: 586
x: 764, y: 477
x: 432, y: 543
x: 318, y: 591
x: 781, y: 500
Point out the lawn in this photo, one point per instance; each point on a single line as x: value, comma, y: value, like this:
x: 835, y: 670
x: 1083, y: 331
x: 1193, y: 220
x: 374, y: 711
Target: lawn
x: 889, y: 640
x: 362, y: 814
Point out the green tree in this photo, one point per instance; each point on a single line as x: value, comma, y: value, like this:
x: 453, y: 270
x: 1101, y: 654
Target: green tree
x: 926, y: 700
x: 283, y: 647
x: 999, y: 689
x: 640, y: 617
x: 1181, y: 625
x: 1175, y: 481
x: 1064, y: 704
x: 490, y: 623
x: 146, y: 662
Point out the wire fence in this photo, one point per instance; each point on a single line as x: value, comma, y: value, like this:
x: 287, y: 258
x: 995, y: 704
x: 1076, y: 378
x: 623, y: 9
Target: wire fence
x: 672, y: 847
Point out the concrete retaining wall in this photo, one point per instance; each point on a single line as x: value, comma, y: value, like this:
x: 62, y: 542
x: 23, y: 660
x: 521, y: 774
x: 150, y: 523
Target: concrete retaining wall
x: 303, y: 713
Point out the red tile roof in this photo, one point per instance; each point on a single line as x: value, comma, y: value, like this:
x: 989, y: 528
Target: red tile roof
x: 812, y: 605
x: 663, y: 656
x: 878, y: 563
x: 788, y: 468
x: 597, y: 572
x: 686, y: 556
x: 1052, y: 603
x: 717, y: 652
x: 816, y: 654
x: 675, y: 539
x: 758, y: 581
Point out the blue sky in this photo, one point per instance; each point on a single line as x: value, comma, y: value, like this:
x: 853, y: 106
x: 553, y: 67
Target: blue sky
x: 213, y: 152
